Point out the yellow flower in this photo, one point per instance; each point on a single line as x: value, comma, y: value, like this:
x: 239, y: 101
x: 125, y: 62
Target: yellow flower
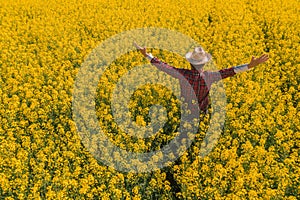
x: 43, y: 47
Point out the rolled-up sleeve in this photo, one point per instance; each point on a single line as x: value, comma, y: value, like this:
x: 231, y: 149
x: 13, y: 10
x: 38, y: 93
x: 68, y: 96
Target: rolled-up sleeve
x: 241, y: 68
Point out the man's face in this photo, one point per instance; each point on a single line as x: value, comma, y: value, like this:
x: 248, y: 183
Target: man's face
x: 199, y: 67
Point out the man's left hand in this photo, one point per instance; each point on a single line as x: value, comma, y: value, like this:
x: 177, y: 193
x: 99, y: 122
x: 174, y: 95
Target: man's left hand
x: 256, y: 61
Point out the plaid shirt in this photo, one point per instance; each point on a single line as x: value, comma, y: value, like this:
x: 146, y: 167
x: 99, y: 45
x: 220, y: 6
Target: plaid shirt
x: 199, y: 81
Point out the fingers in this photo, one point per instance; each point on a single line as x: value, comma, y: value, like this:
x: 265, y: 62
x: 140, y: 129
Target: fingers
x: 141, y: 49
x: 137, y: 46
x: 263, y: 58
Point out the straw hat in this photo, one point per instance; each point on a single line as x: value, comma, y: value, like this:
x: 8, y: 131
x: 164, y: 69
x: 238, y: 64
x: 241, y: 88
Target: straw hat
x: 198, y: 56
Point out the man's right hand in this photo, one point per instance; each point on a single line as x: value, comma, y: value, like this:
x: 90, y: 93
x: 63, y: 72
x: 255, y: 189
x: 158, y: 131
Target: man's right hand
x: 141, y: 49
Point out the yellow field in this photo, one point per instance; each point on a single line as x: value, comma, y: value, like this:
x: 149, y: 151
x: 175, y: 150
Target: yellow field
x: 42, y: 46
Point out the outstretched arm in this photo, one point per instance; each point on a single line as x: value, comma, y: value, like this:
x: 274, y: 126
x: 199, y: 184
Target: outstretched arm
x: 175, y: 72
x: 224, y: 73
x: 253, y: 63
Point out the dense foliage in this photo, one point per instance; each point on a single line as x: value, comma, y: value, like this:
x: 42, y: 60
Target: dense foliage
x: 42, y: 46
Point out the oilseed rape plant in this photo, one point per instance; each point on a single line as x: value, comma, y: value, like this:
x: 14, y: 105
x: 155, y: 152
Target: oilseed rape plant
x: 43, y: 154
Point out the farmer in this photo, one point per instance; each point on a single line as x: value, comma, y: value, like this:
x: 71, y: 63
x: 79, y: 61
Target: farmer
x: 197, y: 79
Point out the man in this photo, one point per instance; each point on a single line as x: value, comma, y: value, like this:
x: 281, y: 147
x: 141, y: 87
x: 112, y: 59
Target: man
x: 199, y: 81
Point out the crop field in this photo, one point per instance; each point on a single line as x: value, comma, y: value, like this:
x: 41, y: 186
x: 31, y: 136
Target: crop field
x: 44, y: 152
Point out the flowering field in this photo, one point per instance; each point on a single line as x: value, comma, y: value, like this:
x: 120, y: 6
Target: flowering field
x: 42, y: 46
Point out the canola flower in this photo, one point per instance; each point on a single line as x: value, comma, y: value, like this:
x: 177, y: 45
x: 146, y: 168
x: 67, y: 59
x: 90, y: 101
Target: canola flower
x: 42, y: 46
